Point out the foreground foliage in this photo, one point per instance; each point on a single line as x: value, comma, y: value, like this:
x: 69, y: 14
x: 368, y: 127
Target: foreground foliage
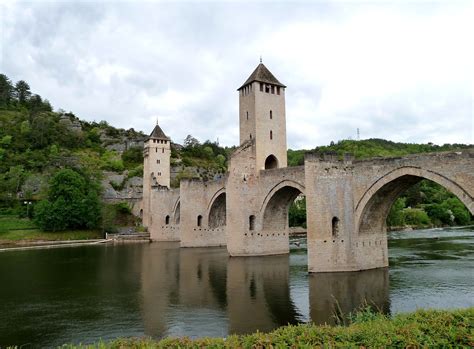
x: 423, y: 328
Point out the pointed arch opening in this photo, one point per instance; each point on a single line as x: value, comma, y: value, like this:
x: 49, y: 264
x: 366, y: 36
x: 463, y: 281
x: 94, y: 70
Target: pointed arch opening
x: 271, y: 162
x: 276, y: 211
x: 217, y: 212
x: 377, y: 208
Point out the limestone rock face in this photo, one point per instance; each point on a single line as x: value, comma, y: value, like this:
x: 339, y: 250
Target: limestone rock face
x: 117, y: 187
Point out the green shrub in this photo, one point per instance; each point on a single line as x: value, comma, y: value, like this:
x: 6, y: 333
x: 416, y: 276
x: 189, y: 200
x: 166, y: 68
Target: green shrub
x: 72, y: 203
x: 416, y: 216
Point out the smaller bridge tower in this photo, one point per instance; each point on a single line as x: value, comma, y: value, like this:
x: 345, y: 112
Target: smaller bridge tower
x: 156, y: 167
x: 262, y: 118
x: 157, y: 155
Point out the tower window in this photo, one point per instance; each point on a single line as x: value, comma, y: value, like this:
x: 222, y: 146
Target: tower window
x: 250, y: 136
x: 261, y: 86
x: 273, y: 90
x: 158, y: 161
x: 162, y: 150
x: 156, y: 150
x: 271, y: 115
x: 247, y: 115
x: 278, y: 90
x: 159, y: 173
x: 167, y: 220
x: 271, y: 134
x: 267, y: 88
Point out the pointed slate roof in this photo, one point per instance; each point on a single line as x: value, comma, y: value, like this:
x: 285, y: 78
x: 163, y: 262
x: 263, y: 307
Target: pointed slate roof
x: 158, y: 133
x: 262, y: 74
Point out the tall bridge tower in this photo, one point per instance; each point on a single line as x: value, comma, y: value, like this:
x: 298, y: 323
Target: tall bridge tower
x: 262, y: 117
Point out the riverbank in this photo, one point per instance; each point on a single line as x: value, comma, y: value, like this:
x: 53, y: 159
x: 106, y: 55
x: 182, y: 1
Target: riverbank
x: 21, y: 232
x: 423, y: 328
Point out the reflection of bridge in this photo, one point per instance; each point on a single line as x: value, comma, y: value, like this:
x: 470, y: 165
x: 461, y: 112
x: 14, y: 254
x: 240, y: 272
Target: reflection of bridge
x: 243, y: 294
x: 247, y: 210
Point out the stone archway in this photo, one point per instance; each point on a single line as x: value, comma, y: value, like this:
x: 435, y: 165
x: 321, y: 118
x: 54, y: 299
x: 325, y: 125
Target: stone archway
x: 373, y: 208
x: 271, y: 162
x: 217, y: 211
x: 276, y: 205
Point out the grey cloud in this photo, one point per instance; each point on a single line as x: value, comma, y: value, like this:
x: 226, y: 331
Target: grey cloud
x: 205, y: 49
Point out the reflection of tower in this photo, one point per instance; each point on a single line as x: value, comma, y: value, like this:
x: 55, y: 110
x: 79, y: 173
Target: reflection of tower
x: 262, y: 117
x: 332, y: 294
x: 258, y: 294
x: 160, y: 284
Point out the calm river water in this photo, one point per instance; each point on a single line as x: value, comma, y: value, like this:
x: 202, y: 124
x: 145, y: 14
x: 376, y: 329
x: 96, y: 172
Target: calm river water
x: 83, y: 294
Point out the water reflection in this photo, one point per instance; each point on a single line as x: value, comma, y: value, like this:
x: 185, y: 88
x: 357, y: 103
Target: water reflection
x: 259, y: 294
x: 189, y: 288
x: 332, y: 295
x: 84, y: 294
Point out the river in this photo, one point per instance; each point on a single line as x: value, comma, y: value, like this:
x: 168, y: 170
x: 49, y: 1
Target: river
x: 83, y: 294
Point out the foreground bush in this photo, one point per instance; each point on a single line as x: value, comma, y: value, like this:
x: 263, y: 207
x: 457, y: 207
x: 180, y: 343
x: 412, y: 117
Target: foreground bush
x: 423, y: 328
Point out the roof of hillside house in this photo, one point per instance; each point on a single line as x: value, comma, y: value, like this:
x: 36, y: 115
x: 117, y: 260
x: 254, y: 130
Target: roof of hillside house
x: 262, y: 74
x: 158, y: 133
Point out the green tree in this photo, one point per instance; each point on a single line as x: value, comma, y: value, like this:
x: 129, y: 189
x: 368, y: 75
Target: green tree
x: 22, y: 92
x: 132, y: 157
x: 73, y: 203
x: 396, y: 216
x: 6, y: 91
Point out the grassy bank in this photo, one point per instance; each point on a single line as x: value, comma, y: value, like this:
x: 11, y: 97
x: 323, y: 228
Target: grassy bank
x: 423, y: 328
x: 15, y: 230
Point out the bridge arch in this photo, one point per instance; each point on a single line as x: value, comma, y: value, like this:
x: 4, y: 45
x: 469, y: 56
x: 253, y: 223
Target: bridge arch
x: 275, y: 206
x: 217, y: 212
x: 373, y: 207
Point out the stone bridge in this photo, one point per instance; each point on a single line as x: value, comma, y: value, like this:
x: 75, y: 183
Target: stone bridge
x: 347, y: 205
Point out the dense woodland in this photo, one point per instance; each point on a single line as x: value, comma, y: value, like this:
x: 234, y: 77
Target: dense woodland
x: 55, y: 161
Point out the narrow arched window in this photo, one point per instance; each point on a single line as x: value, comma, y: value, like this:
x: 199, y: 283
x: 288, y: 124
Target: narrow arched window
x: 252, y: 222
x: 250, y: 136
x: 271, y: 134
x: 167, y: 220
x: 271, y: 114
x: 335, y: 227
x: 199, y: 221
x: 247, y: 115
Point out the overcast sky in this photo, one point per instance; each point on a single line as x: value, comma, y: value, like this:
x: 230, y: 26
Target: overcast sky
x: 396, y: 70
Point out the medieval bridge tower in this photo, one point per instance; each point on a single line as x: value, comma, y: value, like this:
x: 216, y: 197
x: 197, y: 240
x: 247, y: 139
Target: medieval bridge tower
x: 262, y: 118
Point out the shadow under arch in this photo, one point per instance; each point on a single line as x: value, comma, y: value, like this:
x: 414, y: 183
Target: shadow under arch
x: 217, y: 210
x: 373, y: 207
x: 177, y: 212
x: 277, y: 202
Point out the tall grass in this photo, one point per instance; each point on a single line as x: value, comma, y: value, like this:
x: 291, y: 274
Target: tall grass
x: 421, y: 329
